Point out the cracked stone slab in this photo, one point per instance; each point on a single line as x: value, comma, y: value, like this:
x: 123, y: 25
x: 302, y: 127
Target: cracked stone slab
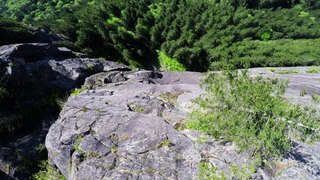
x: 126, y: 125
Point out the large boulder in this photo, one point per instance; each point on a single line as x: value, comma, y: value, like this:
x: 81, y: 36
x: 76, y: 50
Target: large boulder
x: 119, y: 128
x: 131, y: 125
x: 34, y: 74
x: 33, y: 52
x: 34, y: 77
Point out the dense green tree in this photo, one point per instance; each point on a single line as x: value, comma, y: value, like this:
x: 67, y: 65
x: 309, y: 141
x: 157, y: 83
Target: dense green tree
x: 266, y: 3
x: 13, y: 32
x: 197, y: 34
x: 125, y: 27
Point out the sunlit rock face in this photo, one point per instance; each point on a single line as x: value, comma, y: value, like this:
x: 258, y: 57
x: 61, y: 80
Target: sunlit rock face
x: 130, y: 125
x: 35, y: 76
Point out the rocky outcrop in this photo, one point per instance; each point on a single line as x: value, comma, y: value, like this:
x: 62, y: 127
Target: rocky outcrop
x: 33, y: 52
x: 120, y: 128
x: 35, y: 76
x: 123, y: 123
x: 130, y: 125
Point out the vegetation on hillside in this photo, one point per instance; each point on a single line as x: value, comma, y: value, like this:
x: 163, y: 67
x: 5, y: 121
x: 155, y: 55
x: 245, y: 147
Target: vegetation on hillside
x: 262, y: 123
x: 47, y: 172
x: 197, y: 34
x: 273, y: 53
x: 13, y: 32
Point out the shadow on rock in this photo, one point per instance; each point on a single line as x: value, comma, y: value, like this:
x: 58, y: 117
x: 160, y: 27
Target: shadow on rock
x: 36, y: 79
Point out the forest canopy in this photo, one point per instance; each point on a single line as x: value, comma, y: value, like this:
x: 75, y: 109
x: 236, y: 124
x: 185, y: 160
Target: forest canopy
x: 193, y: 35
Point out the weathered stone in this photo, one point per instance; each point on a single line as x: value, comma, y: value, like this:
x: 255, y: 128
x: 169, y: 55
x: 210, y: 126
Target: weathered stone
x: 36, y: 76
x: 127, y: 125
x: 128, y: 133
x: 25, y: 53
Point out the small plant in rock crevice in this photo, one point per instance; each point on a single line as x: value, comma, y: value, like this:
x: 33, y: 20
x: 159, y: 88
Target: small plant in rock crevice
x: 138, y: 109
x: 303, y: 92
x: 171, y: 97
x: 47, y: 172
x: 290, y: 71
x: 272, y: 69
x: 315, y: 98
x: 313, y: 69
x: 114, y: 149
x: 164, y: 143
x: 78, y: 91
x: 207, y: 171
x: 77, y: 143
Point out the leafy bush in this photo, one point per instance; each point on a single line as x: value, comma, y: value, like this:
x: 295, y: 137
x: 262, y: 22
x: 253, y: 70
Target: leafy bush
x: 169, y: 64
x: 287, y: 71
x: 209, y: 172
x: 78, y: 91
x: 13, y: 32
x: 47, y: 172
x: 66, y: 44
x: 315, y: 98
x: 251, y: 113
x: 285, y: 52
x: 313, y: 70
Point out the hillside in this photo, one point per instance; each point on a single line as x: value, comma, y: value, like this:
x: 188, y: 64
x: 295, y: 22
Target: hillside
x: 136, y: 125
x: 197, y: 35
x: 123, y: 122
x: 89, y: 89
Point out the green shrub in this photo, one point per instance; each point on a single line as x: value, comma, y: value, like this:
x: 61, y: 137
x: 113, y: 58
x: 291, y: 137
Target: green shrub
x: 67, y: 44
x: 272, y: 69
x: 78, y: 91
x: 13, y: 32
x: 251, y: 113
x: 169, y: 64
x: 47, y: 172
x: 313, y: 70
x: 171, y: 97
x: 197, y: 33
x: 290, y: 71
x: 272, y: 53
x: 303, y: 92
x: 315, y: 98
x: 266, y: 36
x: 209, y: 172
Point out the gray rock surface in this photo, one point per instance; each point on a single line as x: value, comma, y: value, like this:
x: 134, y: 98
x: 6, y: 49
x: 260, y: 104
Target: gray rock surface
x: 302, y: 85
x: 128, y: 125
x: 36, y: 75
x: 33, y: 52
x: 121, y: 128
